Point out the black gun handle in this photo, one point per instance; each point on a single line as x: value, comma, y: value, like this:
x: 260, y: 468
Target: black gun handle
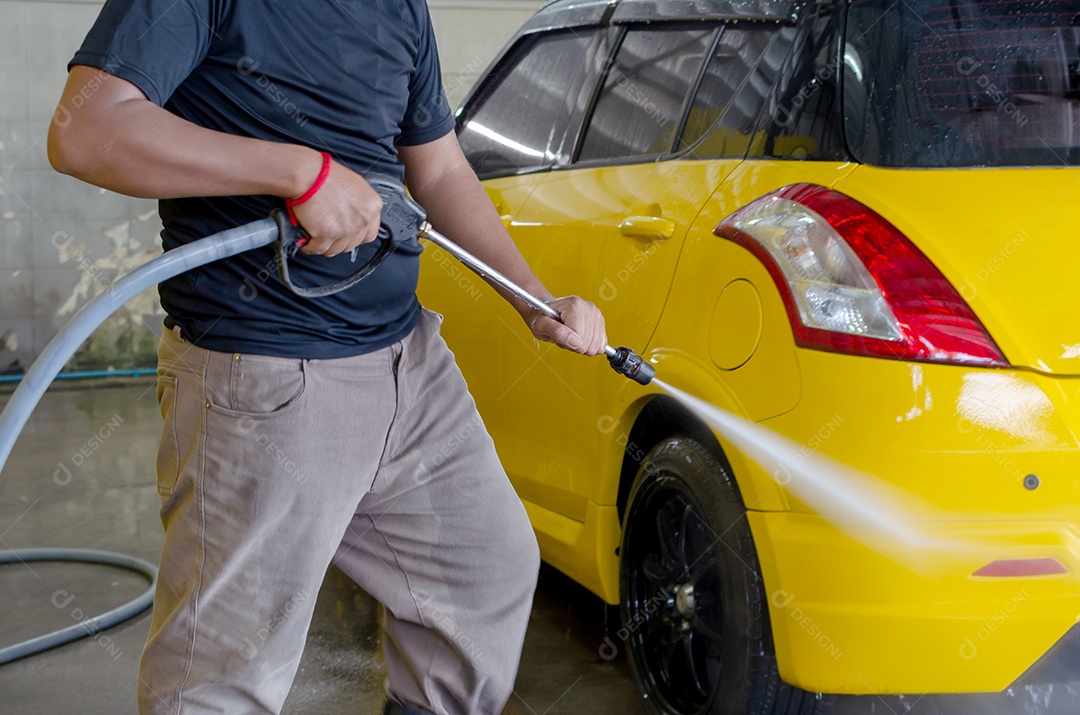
x: 400, y: 222
x: 401, y: 216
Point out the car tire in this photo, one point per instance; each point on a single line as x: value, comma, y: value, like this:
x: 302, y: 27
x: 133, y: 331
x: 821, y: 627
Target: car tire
x: 694, y: 616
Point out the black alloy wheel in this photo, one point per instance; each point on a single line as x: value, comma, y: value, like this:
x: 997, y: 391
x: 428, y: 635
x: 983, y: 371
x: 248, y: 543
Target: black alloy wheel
x: 694, y: 617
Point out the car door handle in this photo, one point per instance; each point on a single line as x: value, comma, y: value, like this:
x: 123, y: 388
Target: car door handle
x: 652, y: 228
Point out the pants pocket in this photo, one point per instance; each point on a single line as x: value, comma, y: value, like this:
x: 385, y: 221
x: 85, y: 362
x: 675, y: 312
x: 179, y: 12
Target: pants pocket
x: 168, y: 457
x: 260, y: 386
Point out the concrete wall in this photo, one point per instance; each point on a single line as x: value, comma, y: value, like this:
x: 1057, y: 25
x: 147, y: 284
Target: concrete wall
x: 62, y: 241
x: 470, y: 33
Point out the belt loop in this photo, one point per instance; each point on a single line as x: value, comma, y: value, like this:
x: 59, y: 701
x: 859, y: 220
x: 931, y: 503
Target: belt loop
x: 178, y: 333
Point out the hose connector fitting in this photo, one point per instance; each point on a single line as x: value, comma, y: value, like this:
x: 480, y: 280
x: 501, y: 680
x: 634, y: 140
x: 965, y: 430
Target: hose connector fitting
x: 627, y: 362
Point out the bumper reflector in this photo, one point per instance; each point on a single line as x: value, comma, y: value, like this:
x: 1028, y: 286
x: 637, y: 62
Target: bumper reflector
x: 1013, y: 568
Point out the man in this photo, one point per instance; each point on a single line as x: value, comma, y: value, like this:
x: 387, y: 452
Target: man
x: 300, y: 432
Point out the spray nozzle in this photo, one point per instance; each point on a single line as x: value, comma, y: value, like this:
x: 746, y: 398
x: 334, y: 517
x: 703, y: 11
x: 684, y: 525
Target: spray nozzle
x: 627, y: 362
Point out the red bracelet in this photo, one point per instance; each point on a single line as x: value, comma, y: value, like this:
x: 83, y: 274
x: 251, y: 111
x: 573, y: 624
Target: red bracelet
x: 324, y: 172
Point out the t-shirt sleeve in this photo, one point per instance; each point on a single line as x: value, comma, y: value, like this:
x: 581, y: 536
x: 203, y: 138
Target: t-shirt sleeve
x: 428, y: 116
x: 154, y: 44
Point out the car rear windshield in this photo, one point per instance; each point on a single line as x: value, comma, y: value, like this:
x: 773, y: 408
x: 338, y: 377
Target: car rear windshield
x: 963, y: 83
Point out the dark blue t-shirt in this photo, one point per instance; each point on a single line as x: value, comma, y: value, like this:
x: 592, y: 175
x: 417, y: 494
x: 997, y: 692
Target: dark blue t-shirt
x: 351, y: 77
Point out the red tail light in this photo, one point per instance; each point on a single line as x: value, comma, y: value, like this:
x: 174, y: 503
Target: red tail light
x: 852, y: 283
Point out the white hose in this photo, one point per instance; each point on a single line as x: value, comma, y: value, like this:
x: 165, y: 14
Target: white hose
x: 89, y: 626
x: 48, y: 365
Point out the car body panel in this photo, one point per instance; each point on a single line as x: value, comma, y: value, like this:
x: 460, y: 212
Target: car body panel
x: 564, y: 543
x: 855, y: 622
x: 471, y: 305
x: 562, y: 15
x: 592, y: 12
x: 569, y: 229
x: 960, y: 443
x: 695, y: 318
x: 653, y: 10
x: 956, y: 444
x: 1005, y: 238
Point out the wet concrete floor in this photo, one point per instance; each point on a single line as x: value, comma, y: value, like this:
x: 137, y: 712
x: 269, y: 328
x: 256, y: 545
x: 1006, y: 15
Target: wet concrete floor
x: 81, y: 475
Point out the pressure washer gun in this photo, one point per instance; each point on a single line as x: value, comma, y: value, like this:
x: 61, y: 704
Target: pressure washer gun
x: 404, y: 220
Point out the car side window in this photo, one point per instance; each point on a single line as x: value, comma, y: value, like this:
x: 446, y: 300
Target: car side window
x: 518, y: 119
x: 803, y: 119
x: 640, y: 106
x: 731, y: 94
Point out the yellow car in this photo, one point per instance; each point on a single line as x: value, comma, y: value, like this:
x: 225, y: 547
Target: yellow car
x: 853, y: 223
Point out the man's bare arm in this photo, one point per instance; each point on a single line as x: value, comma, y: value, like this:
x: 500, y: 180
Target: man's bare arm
x: 119, y: 140
x: 441, y: 180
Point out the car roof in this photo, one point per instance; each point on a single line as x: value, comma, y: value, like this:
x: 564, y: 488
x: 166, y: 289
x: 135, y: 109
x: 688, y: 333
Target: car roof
x: 570, y: 13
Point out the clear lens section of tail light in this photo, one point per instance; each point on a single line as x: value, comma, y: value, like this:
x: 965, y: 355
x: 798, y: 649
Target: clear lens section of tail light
x: 831, y: 287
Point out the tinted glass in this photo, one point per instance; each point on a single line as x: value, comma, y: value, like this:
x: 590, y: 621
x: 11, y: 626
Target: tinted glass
x: 989, y: 83
x: 520, y: 118
x: 641, y: 104
x: 803, y: 118
x: 714, y: 107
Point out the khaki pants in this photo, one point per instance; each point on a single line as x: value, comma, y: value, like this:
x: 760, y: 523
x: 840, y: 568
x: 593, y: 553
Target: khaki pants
x: 272, y: 468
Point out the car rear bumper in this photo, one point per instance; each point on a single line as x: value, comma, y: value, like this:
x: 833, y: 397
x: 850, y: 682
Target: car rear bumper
x: 847, y: 619
x: 948, y: 449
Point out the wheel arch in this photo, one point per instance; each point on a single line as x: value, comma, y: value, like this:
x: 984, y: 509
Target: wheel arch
x: 660, y: 418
